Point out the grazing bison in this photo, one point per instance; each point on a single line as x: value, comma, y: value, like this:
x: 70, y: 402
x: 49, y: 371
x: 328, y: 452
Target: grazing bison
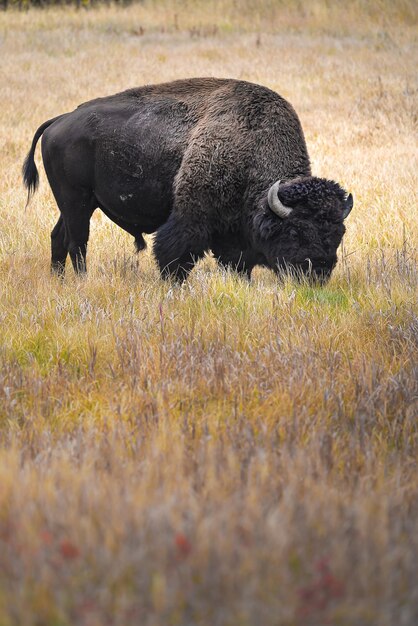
x: 209, y: 164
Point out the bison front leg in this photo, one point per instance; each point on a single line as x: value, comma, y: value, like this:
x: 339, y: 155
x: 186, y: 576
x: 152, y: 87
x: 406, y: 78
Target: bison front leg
x: 234, y: 261
x: 230, y: 258
x: 179, y: 244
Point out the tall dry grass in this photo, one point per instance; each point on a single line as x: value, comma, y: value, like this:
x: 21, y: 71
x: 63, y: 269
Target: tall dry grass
x: 222, y: 453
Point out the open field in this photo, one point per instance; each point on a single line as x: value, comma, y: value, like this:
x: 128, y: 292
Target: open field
x: 222, y: 453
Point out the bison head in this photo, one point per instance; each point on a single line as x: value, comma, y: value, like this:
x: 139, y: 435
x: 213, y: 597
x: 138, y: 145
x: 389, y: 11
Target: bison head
x: 301, y: 226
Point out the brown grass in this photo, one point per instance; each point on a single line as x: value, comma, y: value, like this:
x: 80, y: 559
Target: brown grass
x: 224, y: 453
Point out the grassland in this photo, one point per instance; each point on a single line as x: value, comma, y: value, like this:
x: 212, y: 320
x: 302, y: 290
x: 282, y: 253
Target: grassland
x: 221, y: 453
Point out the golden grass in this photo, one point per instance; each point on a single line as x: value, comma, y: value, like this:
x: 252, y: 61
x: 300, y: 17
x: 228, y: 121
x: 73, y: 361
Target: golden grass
x: 220, y: 453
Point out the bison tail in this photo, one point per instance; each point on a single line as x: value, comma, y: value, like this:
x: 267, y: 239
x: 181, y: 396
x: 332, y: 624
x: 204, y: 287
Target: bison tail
x: 29, y: 169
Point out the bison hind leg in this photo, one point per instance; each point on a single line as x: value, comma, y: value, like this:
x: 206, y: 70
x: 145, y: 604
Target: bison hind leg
x: 71, y: 232
x: 59, y: 250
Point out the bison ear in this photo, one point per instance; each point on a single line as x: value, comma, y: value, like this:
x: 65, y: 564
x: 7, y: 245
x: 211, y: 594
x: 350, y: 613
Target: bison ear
x: 348, y: 205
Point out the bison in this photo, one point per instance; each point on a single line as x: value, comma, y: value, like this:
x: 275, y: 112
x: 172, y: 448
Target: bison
x: 207, y: 164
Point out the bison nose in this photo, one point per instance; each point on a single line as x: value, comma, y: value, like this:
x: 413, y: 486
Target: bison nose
x: 305, y: 271
x: 317, y: 274
x: 319, y: 277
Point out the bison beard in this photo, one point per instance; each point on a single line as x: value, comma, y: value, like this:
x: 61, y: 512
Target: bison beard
x: 207, y: 164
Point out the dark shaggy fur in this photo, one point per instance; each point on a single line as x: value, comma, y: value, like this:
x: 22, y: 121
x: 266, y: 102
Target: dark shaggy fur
x: 193, y: 160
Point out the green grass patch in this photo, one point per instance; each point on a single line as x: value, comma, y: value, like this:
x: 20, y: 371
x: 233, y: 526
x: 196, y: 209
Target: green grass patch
x: 334, y: 299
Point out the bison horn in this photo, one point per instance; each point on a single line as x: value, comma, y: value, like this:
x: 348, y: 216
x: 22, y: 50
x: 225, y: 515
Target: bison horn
x: 274, y: 203
x: 348, y: 206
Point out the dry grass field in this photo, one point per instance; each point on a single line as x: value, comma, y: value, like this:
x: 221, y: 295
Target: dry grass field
x: 222, y: 453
